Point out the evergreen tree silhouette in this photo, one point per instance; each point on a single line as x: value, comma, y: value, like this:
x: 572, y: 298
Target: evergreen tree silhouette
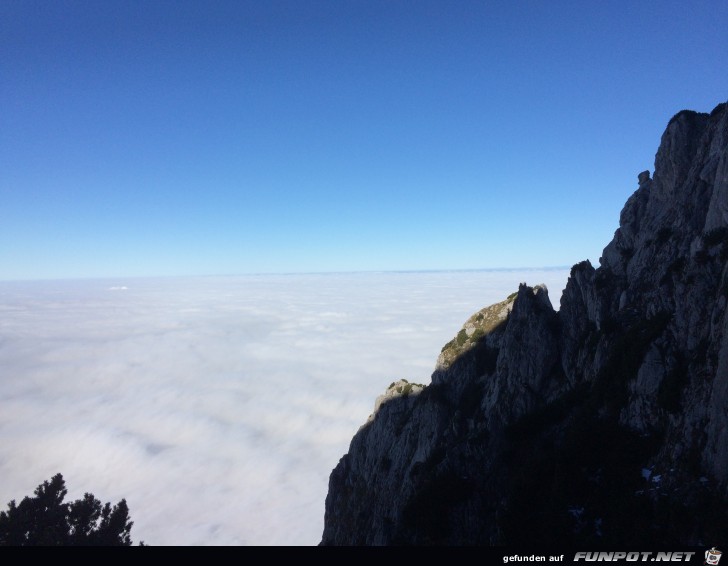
x: 44, y: 520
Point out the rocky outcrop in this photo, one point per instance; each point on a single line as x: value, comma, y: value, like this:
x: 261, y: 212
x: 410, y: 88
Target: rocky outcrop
x: 606, y: 421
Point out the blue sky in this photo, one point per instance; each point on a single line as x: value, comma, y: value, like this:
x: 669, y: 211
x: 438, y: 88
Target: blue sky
x: 193, y: 138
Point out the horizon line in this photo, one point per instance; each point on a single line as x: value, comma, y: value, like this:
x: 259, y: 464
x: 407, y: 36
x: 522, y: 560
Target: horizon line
x: 287, y: 273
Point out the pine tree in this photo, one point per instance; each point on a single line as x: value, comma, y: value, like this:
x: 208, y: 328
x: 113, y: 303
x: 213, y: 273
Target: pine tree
x: 44, y: 520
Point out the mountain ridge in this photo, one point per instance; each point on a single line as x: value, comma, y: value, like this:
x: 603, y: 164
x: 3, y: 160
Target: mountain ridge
x: 605, y: 421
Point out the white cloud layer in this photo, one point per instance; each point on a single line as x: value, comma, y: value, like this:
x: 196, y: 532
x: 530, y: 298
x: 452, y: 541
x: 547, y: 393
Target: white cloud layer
x: 216, y: 406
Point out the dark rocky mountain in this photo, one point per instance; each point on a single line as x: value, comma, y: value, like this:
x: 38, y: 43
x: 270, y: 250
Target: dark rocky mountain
x: 605, y: 422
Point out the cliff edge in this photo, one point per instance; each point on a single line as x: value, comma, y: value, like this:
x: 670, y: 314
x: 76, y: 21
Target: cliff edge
x: 604, y: 422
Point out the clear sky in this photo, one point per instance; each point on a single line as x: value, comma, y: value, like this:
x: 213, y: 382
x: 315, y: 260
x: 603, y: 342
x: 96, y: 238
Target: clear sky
x: 191, y: 138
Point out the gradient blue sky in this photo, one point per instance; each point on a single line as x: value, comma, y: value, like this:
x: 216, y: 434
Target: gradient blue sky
x: 192, y: 138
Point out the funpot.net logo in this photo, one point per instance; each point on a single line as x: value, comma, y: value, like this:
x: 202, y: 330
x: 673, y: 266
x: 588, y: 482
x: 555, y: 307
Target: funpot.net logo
x: 635, y: 556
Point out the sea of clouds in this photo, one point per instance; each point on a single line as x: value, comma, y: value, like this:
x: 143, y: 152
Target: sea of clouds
x: 216, y: 406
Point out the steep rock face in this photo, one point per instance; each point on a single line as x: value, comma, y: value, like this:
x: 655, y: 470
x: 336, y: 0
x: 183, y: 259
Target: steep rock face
x: 606, y: 421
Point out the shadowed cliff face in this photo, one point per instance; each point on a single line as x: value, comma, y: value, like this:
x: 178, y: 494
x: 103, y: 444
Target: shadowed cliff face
x: 606, y: 421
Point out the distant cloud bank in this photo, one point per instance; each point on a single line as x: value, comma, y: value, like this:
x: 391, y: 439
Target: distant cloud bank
x: 216, y: 406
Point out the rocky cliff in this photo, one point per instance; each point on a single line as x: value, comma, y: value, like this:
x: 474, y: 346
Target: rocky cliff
x: 604, y: 422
